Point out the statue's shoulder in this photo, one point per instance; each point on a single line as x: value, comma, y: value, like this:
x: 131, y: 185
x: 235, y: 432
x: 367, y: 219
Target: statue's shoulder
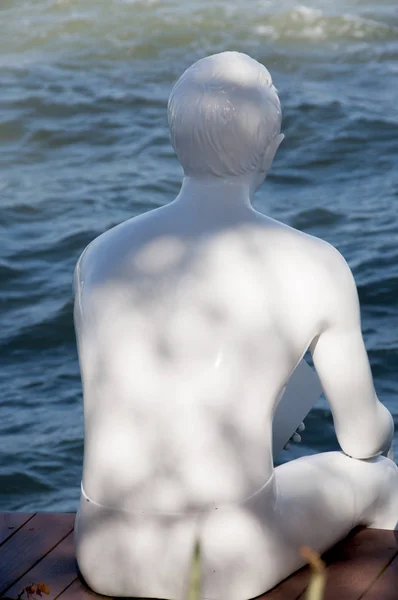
x: 329, y: 266
x: 320, y: 250
x: 114, y: 241
x: 327, y: 256
x: 321, y: 258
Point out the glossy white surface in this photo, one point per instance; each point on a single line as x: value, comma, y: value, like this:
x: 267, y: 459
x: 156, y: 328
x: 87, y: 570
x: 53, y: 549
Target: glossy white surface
x: 190, y: 319
x: 301, y: 394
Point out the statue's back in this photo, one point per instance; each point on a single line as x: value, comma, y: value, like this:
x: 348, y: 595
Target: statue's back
x: 185, y: 346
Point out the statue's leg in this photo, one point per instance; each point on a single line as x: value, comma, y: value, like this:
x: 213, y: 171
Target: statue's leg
x: 246, y: 548
x: 339, y: 486
x: 314, y: 501
x: 322, y: 497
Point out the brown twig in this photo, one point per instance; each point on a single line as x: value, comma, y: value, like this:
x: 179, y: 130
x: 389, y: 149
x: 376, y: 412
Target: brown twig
x: 318, y: 577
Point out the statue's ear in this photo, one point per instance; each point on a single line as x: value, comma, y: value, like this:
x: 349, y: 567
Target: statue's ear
x: 271, y: 151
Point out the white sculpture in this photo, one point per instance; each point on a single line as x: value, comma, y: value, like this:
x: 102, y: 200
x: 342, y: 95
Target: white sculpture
x: 190, y: 319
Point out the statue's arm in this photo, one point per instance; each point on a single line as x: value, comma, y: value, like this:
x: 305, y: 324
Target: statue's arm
x: 364, y: 427
x: 77, y: 309
x: 77, y: 288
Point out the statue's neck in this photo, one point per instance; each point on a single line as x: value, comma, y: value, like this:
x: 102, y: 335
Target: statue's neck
x: 216, y: 194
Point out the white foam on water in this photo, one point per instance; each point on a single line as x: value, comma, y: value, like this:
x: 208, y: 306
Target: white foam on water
x: 303, y: 22
x: 306, y: 13
x: 145, y: 2
x: 266, y: 31
x: 58, y: 27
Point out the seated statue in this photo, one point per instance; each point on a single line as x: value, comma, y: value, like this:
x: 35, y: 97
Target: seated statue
x: 190, y: 320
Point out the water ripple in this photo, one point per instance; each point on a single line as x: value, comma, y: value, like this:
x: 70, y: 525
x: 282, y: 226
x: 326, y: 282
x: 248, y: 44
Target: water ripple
x: 84, y: 145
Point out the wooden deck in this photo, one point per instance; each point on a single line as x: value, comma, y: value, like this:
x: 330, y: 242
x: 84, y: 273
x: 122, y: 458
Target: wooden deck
x: 39, y: 547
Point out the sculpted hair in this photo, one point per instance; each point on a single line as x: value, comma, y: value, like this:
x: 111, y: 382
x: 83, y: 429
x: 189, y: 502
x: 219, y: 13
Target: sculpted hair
x: 223, y: 112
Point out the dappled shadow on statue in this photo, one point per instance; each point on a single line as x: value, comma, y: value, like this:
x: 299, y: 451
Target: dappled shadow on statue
x: 190, y: 321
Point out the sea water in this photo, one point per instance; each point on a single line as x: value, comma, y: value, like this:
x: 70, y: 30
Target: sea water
x: 84, y: 145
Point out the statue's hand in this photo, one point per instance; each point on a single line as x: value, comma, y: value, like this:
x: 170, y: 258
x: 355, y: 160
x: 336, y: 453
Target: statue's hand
x: 296, y: 437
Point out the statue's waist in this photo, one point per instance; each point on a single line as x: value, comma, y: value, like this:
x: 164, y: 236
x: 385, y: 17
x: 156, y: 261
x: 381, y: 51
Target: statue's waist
x: 118, y: 502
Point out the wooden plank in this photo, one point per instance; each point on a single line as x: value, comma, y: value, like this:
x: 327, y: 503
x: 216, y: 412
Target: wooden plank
x: 386, y: 586
x: 79, y: 591
x: 365, y: 550
x: 291, y: 588
x: 31, y: 543
x: 40, y: 548
x: 10, y: 522
x: 355, y: 563
x: 57, y: 570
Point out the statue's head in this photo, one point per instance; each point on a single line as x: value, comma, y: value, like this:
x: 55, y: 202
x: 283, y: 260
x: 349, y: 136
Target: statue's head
x: 225, y: 117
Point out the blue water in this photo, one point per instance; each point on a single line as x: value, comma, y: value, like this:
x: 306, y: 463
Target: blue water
x: 84, y: 145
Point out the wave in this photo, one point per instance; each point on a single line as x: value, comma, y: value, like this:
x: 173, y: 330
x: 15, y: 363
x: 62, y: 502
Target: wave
x: 144, y: 29
x: 9, y: 274
x: 48, y: 333
x: 16, y: 481
x: 310, y: 24
x: 378, y: 292
x: 315, y: 217
x: 384, y: 364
